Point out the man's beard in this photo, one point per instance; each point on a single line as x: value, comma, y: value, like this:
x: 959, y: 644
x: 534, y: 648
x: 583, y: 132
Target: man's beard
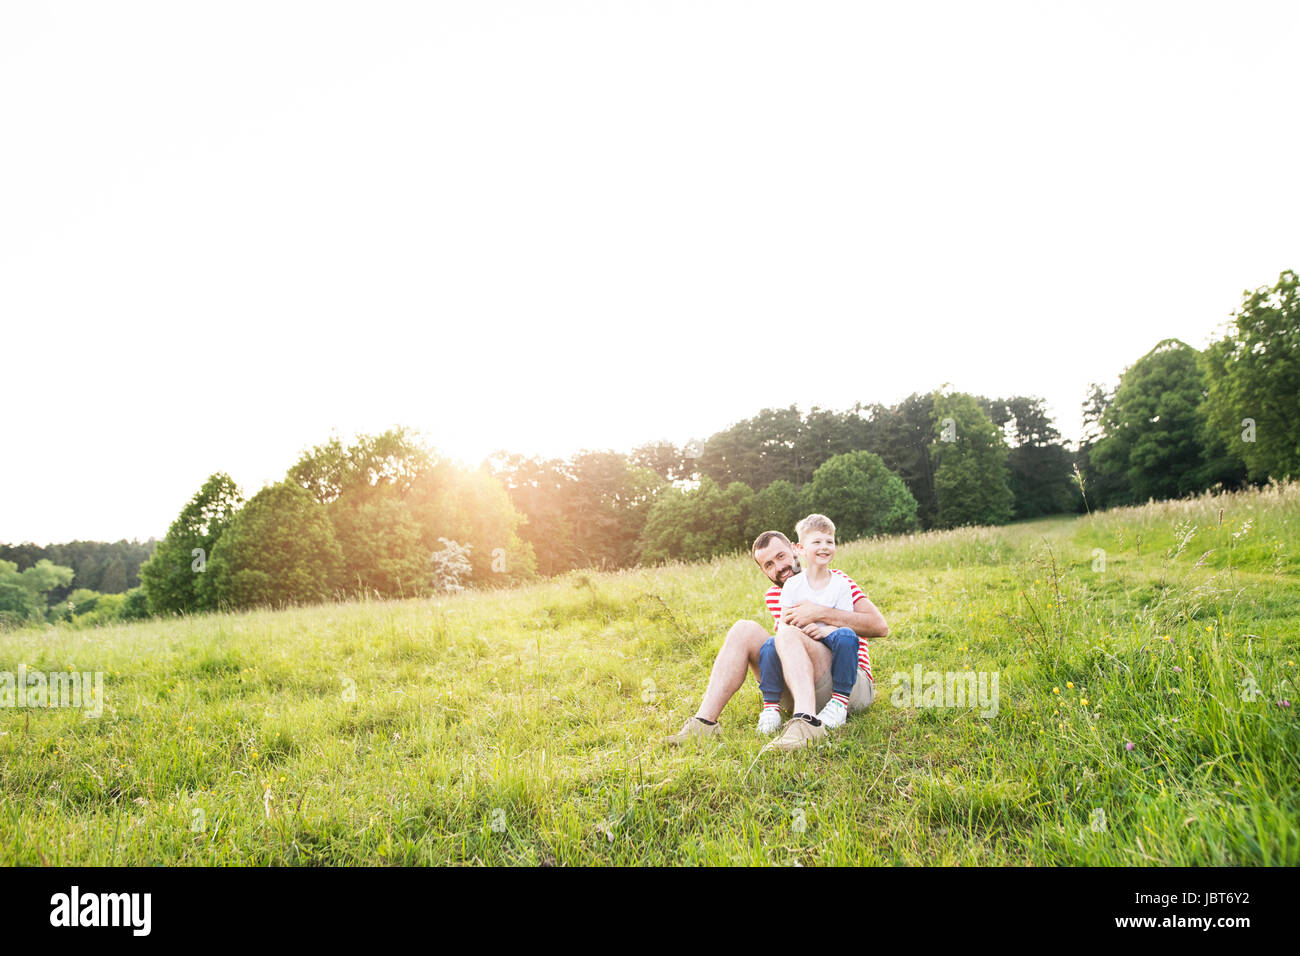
x: 794, y: 569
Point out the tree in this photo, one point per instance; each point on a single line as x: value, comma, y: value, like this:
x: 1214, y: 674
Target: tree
x: 1040, y: 464
x: 1253, y: 382
x: 175, y: 577
x: 135, y: 606
x: 390, y: 500
x: 451, y: 566
x: 862, y: 496
x: 971, y: 476
x: 383, y: 546
x: 776, y: 508
x: 1155, y: 443
x: 610, y: 503
x: 757, y: 451
x: 902, y: 435
x: 280, y: 548
x: 543, y: 491
x: 665, y: 459
x: 472, y: 508
x: 394, y: 460
x: 96, y: 565
x: 696, y: 524
x: 23, y: 594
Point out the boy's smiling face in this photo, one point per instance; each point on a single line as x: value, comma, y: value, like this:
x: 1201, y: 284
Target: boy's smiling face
x: 817, y: 549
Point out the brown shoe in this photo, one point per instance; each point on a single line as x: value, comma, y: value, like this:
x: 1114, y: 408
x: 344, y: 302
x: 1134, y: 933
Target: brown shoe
x: 798, y: 734
x: 694, y: 729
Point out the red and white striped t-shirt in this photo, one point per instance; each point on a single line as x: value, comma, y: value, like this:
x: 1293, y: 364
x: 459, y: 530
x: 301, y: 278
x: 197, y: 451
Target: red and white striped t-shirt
x: 773, y: 600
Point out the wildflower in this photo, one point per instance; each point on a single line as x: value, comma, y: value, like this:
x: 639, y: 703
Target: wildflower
x: 1129, y: 745
x: 1284, y: 703
x: 1290, y: 663
x: 1056, y: 690
x: 1177, y: 669
x: 1070, y: 684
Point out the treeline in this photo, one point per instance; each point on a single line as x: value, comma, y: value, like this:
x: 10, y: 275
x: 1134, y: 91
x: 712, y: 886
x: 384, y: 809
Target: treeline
x: 1178, y: 422
x: 108, y: 568
x: 62, y: 581
x: 386, y: 516
x: 877, y: 469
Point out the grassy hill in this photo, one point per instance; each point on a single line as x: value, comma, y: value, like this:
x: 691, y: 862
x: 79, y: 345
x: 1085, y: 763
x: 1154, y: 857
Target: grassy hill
x: 525, y: 726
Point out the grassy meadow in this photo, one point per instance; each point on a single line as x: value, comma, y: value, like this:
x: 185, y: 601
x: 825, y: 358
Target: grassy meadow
x: 525, y: 726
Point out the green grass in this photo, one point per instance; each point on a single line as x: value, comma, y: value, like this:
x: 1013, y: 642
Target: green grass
x: 402, y: 732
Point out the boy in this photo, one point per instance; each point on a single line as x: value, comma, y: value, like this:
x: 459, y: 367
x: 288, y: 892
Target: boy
x: 818, y: 583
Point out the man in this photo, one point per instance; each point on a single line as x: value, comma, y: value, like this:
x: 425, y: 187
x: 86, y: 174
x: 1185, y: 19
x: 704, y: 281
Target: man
x: 804, y: 661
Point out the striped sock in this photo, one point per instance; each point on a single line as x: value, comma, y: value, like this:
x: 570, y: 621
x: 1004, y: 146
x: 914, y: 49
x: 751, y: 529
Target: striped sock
x: 842, y: 698
x: 771, y: 705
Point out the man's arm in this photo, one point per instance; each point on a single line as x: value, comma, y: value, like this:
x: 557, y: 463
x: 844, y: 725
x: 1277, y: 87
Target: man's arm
x: 865, y: 619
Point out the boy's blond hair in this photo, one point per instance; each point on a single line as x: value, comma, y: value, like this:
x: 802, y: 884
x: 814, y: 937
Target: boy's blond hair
x: 814, y: 523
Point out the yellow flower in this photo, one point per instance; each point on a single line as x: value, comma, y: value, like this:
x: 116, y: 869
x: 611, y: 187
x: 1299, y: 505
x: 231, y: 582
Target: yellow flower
x: 1083, y: 701
x: 1070, y: 684
x: 1056, y: 690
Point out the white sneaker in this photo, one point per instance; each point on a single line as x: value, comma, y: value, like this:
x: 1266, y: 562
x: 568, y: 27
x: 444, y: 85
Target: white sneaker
x: 833, y: 714
x: 769, y: 721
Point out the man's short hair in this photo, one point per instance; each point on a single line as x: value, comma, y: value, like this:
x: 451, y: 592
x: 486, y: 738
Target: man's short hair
x: 814, y: 523
x: 766, y: 538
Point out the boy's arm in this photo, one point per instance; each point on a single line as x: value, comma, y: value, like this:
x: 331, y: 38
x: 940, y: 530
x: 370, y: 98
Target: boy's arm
x: 865, y: 619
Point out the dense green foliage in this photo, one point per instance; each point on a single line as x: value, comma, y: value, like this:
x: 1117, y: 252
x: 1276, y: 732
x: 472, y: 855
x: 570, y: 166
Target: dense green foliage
x: 864, y: 497
x: 1154, y: 435
x: 1040, y: 465
x: 1253, y: 376
x: 696, y: 524
x: 279, y: 549
x: 104, y: 567
x: 971, y: 477
x: 175, y: 578
x: 390, y: 500
x: 24, y: 595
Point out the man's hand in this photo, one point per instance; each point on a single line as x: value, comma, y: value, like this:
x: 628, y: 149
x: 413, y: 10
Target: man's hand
x: 805, y: 613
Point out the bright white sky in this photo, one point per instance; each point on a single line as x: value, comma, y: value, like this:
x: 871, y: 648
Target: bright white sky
x: 227, y: 229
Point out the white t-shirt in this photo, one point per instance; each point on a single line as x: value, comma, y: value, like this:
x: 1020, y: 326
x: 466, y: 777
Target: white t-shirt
x: 838, y: 594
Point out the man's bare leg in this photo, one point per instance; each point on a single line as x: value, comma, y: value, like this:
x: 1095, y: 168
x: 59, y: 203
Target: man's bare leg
x: 803, y: 660
x: 739, y: 654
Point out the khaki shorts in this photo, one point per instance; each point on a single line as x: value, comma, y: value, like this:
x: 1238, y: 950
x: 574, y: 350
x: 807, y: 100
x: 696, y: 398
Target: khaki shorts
x: 864, y: 692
